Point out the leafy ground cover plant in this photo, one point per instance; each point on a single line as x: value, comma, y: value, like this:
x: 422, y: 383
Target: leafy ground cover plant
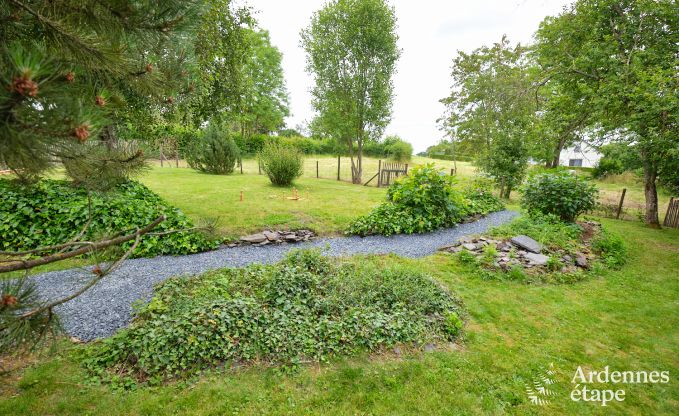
x: 308, y: 308
x: 282, y: 164
x: 425, y: 200
x: 52, y: 212
x: 561, y: 194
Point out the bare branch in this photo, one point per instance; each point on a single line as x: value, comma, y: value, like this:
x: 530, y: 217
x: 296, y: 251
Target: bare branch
x: 29, y: 264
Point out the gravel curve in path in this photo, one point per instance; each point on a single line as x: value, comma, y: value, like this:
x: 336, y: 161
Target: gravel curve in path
x: 107, y: 306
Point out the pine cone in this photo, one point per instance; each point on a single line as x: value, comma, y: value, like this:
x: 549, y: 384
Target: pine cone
x: 82, y: 132
x: 149, y: 68
x: 24, y: 85
x: 100, y: 101
x: 9, y: 300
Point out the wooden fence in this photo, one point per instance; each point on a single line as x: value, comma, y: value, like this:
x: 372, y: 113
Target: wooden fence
x: 672, y: 215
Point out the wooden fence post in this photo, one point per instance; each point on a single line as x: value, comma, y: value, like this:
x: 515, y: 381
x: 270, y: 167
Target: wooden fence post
x: 669, y: 220
x: 406, y: 169
x: 176, y: 156
x: 338, y: 167
x: 379, y: 173
x: 622, y: 199
x: 259, y: 166
x: 317, y: 170
x: 161, y: 155
x: 241, y: 165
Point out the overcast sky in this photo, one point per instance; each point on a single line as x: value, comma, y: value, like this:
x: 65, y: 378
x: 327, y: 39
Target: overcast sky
x: 430, y: 31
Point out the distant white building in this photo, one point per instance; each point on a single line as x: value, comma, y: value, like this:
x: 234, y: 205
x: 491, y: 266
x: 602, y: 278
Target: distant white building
x: 580, y: 155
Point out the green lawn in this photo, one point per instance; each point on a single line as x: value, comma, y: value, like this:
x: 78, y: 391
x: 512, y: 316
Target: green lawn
x: 325, y: 206
x: 625, y: 319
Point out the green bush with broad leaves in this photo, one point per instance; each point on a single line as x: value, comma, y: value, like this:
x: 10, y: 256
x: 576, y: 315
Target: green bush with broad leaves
x: 307, y: 308
x: 52, y: 212
x: 425, y: 200
x: 282, y: 164
x: 562, y: 194
x: 214, y: 151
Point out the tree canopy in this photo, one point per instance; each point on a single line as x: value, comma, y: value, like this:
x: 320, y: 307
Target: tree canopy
x: 621, y: 56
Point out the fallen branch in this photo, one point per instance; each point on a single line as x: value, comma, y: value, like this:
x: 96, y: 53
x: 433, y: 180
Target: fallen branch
x: 88, y: 246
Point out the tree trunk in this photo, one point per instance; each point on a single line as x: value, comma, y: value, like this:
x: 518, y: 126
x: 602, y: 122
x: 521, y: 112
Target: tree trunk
x: 556, y: 156
x: 356, y: 177
x: 651, y: 194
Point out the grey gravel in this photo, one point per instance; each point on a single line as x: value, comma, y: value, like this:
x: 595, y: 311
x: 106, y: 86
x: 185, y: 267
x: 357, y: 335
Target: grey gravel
x: 107, y: 307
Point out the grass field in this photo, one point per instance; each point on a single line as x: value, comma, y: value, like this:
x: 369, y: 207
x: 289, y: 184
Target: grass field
x: 625, y: 319
x: 325, y: 205
x: 327, y: 167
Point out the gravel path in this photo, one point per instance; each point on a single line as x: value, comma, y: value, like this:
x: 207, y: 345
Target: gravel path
x: 107, y: 307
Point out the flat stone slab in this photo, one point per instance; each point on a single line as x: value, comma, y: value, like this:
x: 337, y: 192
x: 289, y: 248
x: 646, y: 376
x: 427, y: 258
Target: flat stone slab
x: 254, y: 238
x: 527, y: 243
x: 536, y: 259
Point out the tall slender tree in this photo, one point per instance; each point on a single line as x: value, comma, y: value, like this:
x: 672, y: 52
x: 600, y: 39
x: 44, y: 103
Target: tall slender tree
x: 352, y: 51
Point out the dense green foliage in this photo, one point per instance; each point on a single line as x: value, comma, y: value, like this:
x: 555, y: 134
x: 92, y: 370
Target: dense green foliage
x: 561, y: 194
x: 490, y: 111
x: 306, y: 308
x: 425, y: 200
x: 265, y: 100
x: 400, y: 151
x: 53, y: 212
x: 620, y: 58
x: 353, y: 90
x: 282, y: 164
x: 213, y: 152
x: 616, y: 158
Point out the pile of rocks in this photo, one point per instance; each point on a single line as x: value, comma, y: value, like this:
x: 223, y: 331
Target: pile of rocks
x: 274, y: 237
x: 521, y: 250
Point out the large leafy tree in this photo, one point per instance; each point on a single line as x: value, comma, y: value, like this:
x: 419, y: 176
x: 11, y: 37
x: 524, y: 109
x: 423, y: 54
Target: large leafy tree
x: 69, y: 69
x: 492, y: 110
x: 352, y: 51
x: 222, y: 48
x: 265, y: 99
x: 622, y: 56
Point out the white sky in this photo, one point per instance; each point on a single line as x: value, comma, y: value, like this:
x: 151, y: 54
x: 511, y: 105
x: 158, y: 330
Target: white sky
x: 431, y: 32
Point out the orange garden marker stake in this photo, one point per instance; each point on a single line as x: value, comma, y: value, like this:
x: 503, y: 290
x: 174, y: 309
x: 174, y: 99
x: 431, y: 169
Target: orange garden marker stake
x: 241, y: 196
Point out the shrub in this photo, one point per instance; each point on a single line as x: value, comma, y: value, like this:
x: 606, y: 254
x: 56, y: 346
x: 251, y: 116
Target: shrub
x: 425, y: 200
x: 282, y: 164
x: 52, y: 212
x: 400, y: 151
x: 560, y: 194
x: 213, y: 152
x: 306, y: 308
x: 422, y: 201
x: 480, y: 198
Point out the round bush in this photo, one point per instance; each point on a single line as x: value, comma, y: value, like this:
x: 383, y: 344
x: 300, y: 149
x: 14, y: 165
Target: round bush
x: 562, y: 194
x: 215, y: 152
x: 282, y: 164
x: 400, y: 151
